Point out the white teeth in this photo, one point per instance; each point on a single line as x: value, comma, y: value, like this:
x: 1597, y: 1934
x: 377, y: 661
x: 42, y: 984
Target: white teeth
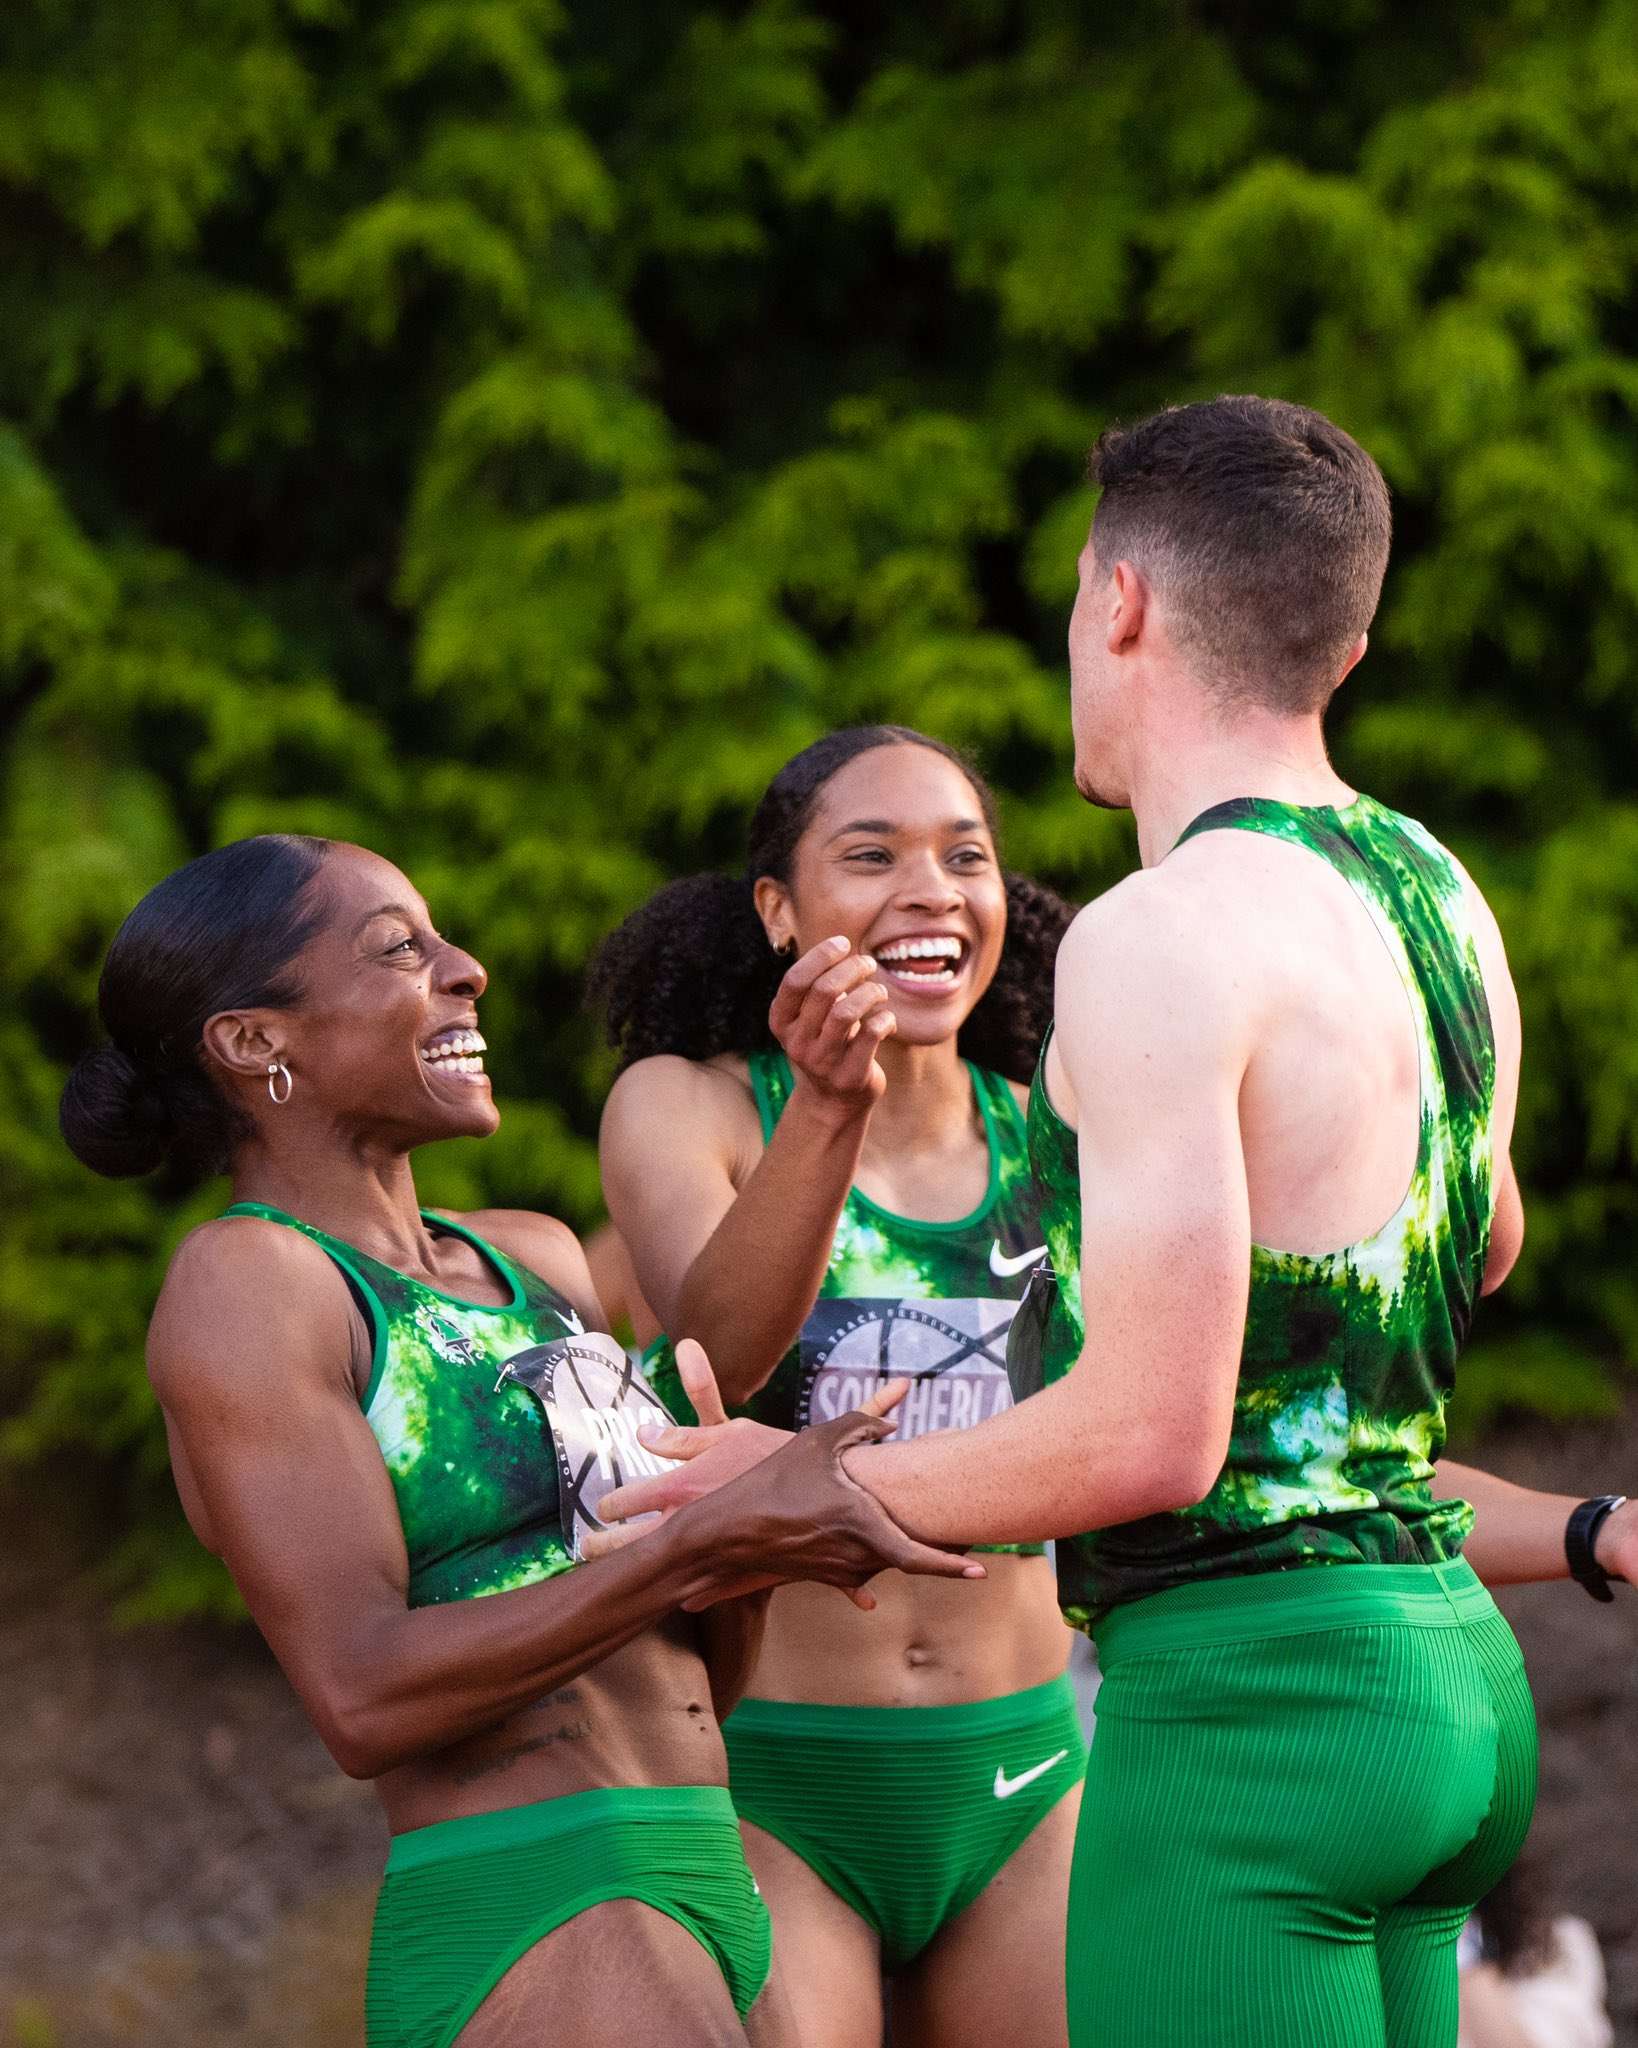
x: 922, y: 949
x: 461, y: 1050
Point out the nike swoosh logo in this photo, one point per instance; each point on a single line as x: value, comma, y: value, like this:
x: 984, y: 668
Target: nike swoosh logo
x: 1005, y: 1787
x: 1004, y: 1268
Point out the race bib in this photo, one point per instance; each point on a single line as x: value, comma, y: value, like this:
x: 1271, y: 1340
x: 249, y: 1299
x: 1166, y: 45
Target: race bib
x: 595, y: 1401
x: 953, y: 1353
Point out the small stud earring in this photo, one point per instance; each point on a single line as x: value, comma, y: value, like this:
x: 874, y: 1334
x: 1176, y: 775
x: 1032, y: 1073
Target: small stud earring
x: 274, y: 1069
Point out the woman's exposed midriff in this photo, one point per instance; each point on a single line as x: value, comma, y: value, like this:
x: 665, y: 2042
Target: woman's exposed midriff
x: 930, y: 1643
x: 641, y: 1717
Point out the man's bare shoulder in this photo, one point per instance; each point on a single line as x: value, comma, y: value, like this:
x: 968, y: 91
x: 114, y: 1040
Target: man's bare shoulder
x: 1218, y: 910
x: 1241, y: 868
x: 1500, y: 993
x: 1161, y: 918
x: 1486, y: 925
x: 1150, y: 988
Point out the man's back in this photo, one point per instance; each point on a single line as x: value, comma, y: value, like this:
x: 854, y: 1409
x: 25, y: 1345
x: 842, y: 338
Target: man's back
x: 1329, y: 1102
x: 1297, y: 1048
x: 1342, y: 1021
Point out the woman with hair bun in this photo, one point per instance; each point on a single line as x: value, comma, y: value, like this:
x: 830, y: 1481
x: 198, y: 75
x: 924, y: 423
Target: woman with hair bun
x: 815, y: 1153
x: 393, y: 1426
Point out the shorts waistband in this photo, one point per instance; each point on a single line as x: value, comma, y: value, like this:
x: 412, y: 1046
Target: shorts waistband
x: 510, y: 1827
x: 1297, y: 1601
x: 902, y: 1724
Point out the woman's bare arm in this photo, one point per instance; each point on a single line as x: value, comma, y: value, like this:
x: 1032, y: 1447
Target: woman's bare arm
x: 733, y: 1258
x: 250, y: 1356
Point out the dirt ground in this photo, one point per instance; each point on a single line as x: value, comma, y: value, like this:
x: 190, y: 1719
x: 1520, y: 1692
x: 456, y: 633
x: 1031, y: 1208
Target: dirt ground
x: 183, y: 1865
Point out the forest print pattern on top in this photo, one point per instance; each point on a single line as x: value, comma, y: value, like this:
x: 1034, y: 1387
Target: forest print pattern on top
x: 474, y: 1466
x: 932, y: 1302
x: 1349, y: 1357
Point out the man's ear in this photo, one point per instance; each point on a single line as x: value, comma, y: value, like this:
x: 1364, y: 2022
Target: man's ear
x: 1128, y: 607
x: 773, y: 906
x: 1355, y: 655
x: 244, y: 1043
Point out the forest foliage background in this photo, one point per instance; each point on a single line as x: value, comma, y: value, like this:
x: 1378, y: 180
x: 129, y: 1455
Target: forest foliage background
x: 501, y: 431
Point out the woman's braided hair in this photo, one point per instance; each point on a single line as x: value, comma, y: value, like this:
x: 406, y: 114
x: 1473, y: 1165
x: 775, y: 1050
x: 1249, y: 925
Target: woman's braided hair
x: 691, y: 972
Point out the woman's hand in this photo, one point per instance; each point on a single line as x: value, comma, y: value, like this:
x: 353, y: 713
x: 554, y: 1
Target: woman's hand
x: 830, y: 1014
x: 719, y: 1452
x: 798, y: 1515
x: 708, y: 1455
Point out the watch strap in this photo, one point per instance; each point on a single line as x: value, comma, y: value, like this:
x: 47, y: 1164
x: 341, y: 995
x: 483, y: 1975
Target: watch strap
x: 1580, y: 1537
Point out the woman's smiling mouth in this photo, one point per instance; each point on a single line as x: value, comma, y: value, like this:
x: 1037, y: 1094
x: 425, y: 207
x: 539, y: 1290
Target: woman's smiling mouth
x: 927, y: 963
x: 457, y: 1055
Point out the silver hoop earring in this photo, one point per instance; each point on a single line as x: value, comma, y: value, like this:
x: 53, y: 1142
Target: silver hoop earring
x: 274, y: 1069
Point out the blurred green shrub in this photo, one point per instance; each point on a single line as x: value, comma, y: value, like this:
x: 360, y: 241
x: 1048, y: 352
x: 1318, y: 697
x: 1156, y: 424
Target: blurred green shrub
x: 32, y: 2026
x: 501, y: 431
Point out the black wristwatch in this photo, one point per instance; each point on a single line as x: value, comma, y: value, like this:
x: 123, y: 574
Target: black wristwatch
x: 1580, y: 1536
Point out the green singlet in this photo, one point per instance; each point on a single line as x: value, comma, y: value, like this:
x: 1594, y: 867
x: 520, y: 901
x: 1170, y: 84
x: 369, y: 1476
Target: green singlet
x: 907, y: 1813
x: 1315, y: 1746
x: 931, y: 1302
x: 497, y: 1428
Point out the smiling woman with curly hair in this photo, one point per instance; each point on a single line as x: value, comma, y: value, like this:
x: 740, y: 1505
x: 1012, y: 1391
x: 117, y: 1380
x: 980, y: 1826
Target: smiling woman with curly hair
x: 834, y: 1046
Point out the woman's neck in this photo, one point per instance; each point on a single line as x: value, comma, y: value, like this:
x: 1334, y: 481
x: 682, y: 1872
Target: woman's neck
x: 366, y: 1199
x: 929, y: 1100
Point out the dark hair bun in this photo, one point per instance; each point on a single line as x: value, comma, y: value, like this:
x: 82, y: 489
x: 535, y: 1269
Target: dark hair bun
x: 113, y: 1116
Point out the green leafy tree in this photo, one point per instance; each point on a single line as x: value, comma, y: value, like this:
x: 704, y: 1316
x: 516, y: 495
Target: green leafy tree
x: 501, y: 432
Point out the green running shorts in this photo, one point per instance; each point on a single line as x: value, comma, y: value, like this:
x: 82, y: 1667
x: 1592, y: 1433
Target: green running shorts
x: 905, y: 1812
x: 463, y: 1899
x: 1301, y: 1783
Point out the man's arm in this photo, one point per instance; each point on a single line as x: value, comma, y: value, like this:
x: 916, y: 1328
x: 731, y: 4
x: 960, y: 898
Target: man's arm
x: 1506, y: 1230
x: 1507, y: 1027
x: 1153, y: 1038
x: 1518, y: 1533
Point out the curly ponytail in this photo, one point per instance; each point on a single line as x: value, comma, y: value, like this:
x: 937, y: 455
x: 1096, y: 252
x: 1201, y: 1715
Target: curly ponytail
x: 692, y: 972
x: 1009, y: 1021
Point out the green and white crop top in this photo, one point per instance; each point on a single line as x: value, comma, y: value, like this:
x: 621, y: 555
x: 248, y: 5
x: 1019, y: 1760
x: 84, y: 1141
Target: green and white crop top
x: 928, y: 1302
x: 500, y: 1426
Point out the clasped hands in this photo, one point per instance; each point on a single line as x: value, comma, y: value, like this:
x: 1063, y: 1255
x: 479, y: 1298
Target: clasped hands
x: 783, y: 1506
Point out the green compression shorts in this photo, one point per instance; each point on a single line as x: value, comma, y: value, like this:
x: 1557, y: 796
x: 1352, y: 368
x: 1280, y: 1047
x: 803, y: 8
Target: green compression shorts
x: 462, y: 1900
x: 1300, y: 1785
x: 905, y: 1812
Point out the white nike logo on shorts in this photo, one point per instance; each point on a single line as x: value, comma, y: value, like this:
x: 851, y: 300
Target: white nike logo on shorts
x: 1005, y: 1787
x: 1004, y: 1268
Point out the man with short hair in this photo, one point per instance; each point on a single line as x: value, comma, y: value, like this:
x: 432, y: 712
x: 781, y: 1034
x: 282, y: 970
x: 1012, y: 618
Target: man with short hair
x: 1271, y: 1126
